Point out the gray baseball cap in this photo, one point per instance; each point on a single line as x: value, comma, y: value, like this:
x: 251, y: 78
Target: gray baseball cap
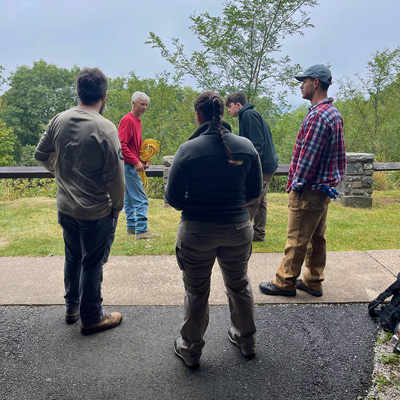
x: 316, y: 71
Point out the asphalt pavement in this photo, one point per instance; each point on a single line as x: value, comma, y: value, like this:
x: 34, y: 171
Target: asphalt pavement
x: 308, y: 348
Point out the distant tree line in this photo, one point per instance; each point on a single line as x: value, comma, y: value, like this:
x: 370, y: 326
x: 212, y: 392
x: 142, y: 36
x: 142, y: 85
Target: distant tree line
x: 370, y: 108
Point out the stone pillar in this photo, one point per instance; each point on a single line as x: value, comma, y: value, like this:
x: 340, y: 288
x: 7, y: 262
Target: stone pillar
x: 356, y: 187
x: 166, y: 162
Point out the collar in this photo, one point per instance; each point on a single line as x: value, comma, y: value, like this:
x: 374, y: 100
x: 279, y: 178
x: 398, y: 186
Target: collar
x: 328, y: 100
x: 208, y: 128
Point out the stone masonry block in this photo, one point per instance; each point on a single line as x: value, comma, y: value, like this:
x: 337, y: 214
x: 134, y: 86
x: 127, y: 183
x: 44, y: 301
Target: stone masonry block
x: 357, y: 201
x: 359, y: 192
x: 360, y: 157
x: 354, y: 169
x: 356, y: 185
x: 167, y: 161
x: 367, y: 182
x: 352, y: 178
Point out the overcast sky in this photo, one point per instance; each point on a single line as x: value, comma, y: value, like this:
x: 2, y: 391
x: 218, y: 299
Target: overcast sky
x: 110, y: 34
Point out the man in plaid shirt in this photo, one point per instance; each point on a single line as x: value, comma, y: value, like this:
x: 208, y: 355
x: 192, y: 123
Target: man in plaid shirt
x: 318, y: 165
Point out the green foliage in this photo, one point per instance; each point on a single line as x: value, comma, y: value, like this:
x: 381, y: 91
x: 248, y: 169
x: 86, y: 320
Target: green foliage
x: 7, y: 144
x: 381, y: 382
x: 284, y: 132
x: 1, y: 76
x: 370, y: 108
x: 35, y: 95
x: 393, y: 359
x: 156, y: 188
x: 388, y: 180
x: 12, y: 189
x: 239, y: 49
x: 27, y: 156
x: 386, y: 336
x: 278, y: 184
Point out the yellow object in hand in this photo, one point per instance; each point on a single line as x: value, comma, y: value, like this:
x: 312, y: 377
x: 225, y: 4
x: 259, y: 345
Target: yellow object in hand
x: 148, y: 149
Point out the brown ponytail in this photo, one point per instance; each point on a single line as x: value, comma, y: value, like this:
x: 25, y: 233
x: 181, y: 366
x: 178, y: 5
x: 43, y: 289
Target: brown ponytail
x: 211, y: 106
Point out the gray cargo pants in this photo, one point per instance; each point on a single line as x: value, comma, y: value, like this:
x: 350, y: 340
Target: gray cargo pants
x: 198, y: 244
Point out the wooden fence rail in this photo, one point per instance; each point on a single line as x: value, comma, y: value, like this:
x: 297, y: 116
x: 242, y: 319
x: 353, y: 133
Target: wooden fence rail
x: 153, y: 171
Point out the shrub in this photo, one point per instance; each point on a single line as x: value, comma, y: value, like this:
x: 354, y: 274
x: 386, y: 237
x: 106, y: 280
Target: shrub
x: 12, y: 189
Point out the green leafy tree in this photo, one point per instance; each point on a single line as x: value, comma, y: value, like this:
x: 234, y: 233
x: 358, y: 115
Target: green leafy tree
x: 1, y: 76
x: 284, y: 132
x: 370, y: 107
x: 7, y: 145
x: 34, y: 96
x: 240, y: 49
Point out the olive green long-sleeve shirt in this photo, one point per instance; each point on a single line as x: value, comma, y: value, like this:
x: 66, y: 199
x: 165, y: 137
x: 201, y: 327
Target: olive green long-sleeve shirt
x: 83, y: 150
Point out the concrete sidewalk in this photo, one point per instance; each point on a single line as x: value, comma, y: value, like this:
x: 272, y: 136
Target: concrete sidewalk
x: 304, y: 351
x: 350, y: 277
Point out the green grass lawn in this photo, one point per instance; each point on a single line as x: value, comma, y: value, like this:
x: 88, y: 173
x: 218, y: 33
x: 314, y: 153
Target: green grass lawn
x: 28, y: 227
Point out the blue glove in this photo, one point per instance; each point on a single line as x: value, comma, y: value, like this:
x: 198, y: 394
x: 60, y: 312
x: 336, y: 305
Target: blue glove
x: 330, y: 191
x: 298, y: 189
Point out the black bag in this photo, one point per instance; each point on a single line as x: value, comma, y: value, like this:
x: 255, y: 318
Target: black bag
x: 389, y: 314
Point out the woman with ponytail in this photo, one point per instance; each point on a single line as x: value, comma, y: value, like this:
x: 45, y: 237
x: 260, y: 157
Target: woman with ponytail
x: 212, y: 178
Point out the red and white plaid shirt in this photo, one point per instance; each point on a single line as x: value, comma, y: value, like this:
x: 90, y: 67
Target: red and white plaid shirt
x: 319, y: 154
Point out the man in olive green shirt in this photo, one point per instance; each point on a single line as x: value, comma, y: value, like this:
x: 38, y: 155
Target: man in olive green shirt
x: 82, y: 149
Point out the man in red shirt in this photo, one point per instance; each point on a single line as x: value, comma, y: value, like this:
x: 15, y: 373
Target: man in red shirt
x: 136, y: 202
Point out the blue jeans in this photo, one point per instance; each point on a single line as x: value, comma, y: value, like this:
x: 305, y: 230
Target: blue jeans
x: 87, y: 247
x: 136, y: 203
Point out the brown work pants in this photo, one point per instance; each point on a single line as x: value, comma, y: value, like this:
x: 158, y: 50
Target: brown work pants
x: 305, y: 240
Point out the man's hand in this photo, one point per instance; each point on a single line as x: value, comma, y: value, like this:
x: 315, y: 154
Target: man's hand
x: 139, y: 167
x: 147, y: 165
x: 330, y: 191
x: 297, y: 189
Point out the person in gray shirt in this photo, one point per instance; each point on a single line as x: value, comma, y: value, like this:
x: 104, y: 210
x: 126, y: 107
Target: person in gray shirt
x: 82, y: 149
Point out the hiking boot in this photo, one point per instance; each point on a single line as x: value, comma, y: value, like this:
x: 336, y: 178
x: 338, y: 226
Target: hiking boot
x: 71, y: 317
x: 232, y: 340
x: 258, y: 239
x: 302, y: 286
x: 145, y: 235
x: 270, y: 289
x: 110, y: 320
x: 177, y: 351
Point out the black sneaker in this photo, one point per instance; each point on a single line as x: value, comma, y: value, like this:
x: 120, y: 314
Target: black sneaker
x: 232, y: 340
x: 270, y: 289
x: 301, y: 286
x: 177, y: 351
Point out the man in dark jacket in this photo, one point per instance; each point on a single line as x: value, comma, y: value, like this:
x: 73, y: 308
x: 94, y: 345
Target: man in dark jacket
x: 254, y: 127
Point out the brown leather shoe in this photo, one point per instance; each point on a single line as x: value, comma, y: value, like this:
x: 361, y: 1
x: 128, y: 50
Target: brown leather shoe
x: 110, y: 320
